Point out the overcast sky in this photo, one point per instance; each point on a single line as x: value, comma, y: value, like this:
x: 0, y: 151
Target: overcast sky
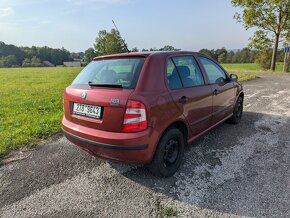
x: 74, y: 24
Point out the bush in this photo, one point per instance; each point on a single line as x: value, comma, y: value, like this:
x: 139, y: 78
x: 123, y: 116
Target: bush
x: 264, y: 58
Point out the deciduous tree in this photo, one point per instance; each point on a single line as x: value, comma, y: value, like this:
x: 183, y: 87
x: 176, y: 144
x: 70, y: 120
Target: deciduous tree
x: 270, y: 17
x: 89, y: 55
x: 109, y: 43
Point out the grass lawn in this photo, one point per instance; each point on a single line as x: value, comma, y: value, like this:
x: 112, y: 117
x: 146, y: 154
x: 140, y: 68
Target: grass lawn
x: 250, y: 68
x: 31, y: 103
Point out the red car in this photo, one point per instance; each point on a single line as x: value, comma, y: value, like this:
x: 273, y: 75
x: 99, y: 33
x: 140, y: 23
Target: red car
x: 146, y: 107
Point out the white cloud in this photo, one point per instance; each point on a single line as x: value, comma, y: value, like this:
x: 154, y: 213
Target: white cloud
x: 5, y: 12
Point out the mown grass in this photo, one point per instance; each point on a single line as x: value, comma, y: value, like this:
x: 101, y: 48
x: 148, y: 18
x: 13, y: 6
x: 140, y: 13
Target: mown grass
x: 246, y: 77
x: 31, y: 104
x: 250, y: 68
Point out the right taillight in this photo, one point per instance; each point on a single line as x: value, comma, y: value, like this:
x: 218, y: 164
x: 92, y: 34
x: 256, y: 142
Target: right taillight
x: 135, y: 119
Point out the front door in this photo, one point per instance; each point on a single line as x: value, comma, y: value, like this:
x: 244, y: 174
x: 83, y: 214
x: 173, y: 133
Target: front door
x: 222, y: 89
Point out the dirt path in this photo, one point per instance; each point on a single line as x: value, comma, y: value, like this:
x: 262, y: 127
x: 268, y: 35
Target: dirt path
x: 234, y: 171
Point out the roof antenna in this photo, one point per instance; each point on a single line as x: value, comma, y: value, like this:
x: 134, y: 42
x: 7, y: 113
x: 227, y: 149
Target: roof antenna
x: 121, y: 37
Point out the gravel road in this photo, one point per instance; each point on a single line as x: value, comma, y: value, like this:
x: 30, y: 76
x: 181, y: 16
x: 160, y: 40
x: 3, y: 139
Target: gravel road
x: 233, y: 171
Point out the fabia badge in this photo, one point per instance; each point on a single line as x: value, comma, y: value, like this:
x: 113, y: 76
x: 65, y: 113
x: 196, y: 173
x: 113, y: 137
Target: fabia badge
x: 84, y: 95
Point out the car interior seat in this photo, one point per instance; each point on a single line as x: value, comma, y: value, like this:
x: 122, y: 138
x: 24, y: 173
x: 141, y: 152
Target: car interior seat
x: 109, y: 76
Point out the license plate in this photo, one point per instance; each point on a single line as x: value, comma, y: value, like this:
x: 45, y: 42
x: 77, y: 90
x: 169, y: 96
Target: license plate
x: 87, y: 110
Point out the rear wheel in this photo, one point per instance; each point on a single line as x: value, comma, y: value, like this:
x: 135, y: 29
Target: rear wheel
x: 169, y: 154
x: 238, y: 112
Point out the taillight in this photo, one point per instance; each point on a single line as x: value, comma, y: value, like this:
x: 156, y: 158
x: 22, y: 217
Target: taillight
x: 135, y: 117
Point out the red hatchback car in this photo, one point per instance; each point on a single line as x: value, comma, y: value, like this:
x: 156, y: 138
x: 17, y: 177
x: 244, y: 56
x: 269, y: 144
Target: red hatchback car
x: 146, y: 107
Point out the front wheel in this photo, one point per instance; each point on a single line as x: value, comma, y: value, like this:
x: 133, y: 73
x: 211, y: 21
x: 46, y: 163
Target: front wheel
x: 238, y: 112
x: 169, y: 154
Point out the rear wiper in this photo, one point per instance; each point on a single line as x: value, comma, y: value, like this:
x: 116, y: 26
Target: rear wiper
x: 105, y: 85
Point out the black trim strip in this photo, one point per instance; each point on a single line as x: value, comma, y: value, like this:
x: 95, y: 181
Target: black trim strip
x: 114, y: 147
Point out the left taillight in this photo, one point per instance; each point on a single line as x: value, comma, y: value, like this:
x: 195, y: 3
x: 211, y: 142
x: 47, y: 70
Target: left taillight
x: 135, y: 119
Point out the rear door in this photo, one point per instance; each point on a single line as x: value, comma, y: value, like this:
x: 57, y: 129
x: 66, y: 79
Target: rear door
x: 222, y: 89
x: 189, y: 92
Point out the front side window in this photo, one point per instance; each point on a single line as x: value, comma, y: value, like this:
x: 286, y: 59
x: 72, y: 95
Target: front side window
x: 184, y: 72
x: 120, y: 71
x: 214, y: 72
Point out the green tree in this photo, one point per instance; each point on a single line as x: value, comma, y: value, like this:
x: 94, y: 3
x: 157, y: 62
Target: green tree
x: 207, y: 52
x: 230, y: 57
x: 26, y: 62
x: 135, y: 49
x: 221, y: 55
x: 270, y: 17
x: 89, y: 55
x: 109, y: 43
x: 35, y: 62
x: 168, y: 48
x: 10, y: 61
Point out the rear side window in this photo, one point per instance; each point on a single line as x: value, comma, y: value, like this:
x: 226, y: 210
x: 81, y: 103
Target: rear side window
x: 121, y: 71
x: 173, y: 78
x: 214, y: 72
x: 183, y: 72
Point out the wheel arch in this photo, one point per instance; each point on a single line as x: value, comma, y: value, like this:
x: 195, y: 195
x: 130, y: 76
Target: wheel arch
x: 241, y: 94
x: 179, y: 124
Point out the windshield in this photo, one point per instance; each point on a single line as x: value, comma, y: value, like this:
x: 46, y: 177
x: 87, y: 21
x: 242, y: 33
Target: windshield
x: 122, y: 71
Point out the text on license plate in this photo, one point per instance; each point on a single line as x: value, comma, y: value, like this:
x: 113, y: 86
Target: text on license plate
x: 87, y: 110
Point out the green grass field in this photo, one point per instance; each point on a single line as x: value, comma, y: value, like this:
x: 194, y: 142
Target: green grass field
x: 31, y: 103
x: 250, y: 68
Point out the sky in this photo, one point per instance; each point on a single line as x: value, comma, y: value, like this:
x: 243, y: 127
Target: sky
x: 74, y: 24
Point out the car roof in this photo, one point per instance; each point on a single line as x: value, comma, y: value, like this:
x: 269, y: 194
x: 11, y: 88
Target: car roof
x: 145, y: 54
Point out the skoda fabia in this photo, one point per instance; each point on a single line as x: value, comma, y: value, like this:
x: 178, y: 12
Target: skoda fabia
x: 146, y: 107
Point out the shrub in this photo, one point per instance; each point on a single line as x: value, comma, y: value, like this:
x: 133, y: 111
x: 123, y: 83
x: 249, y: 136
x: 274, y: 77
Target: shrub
x: 264, y: 58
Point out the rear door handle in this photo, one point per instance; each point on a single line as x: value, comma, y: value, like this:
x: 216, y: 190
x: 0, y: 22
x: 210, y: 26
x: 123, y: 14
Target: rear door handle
x: 183, y: 100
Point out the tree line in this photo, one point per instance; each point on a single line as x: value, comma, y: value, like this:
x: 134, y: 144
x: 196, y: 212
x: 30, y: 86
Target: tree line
x: 245, y: 55
x: 14, y: 56
x: 112, y: 43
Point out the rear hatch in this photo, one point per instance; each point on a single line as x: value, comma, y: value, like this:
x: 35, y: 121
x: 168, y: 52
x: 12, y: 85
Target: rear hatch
x: 97, y: 98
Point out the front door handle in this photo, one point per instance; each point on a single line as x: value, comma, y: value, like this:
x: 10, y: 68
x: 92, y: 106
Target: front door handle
x: 215, y: 92
x: 183, y: 100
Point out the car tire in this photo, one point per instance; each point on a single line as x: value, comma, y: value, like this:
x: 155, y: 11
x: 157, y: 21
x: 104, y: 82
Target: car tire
x: 169, y: 154
x: 238, y: 112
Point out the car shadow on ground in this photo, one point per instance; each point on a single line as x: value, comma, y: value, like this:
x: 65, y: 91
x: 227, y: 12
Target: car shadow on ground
x: 207, y: 166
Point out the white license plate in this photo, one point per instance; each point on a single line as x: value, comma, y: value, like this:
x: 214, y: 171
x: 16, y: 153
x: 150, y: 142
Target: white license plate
x: 87, y: 110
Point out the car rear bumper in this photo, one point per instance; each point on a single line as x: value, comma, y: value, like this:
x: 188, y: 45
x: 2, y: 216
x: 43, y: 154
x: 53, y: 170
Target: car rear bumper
x: 123, y: 147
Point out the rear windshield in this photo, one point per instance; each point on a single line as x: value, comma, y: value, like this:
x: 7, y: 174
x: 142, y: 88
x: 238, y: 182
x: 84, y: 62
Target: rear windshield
x: 121, y: 71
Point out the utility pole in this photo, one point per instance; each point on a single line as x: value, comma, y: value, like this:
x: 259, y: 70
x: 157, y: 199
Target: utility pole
x: 285, y: 67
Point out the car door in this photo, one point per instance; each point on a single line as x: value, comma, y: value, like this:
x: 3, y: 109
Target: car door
x: 189, y: 92
x: 222, y: 89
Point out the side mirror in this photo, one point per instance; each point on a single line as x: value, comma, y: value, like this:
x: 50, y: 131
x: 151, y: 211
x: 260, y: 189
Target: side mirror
x: 234, y: 77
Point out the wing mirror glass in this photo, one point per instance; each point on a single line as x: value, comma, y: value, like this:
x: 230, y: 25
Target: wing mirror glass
x: 234, y: 77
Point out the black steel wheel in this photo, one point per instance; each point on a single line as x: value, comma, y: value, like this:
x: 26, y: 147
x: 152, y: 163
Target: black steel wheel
x: 169, y: 154
x: 238, y: 112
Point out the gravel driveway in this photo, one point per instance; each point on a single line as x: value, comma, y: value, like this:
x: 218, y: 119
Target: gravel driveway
x: 233, y: 171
